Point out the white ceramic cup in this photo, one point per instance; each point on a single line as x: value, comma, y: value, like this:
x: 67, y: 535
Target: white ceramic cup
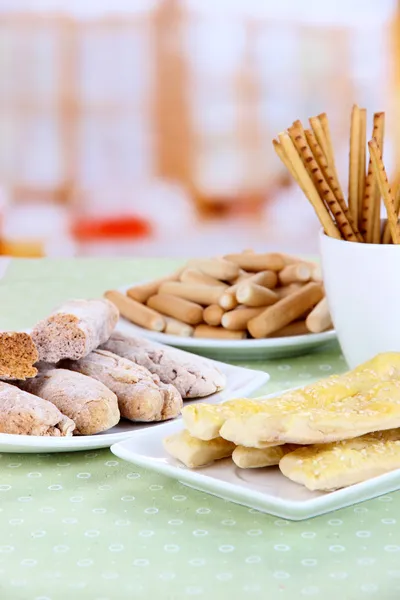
x: 362, y: 283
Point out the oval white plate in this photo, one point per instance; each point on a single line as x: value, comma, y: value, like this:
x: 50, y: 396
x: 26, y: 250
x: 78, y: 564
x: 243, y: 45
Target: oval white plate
x: 235, y: 349
x: 240, y: 382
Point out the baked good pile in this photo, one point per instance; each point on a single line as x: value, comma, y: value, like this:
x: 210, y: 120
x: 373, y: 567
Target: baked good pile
x: 75, y: 375
x: 238, y: 296
x: 336, y: 432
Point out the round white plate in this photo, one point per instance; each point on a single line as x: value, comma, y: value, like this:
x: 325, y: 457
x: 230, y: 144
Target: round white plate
x: 235, y: 349
x: 240, y: 382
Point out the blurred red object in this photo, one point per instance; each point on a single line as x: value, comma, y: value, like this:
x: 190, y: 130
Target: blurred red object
x: 111, y: 228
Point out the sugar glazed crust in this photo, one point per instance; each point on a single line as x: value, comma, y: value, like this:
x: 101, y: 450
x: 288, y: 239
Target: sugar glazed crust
x: 22, y: 413
x: 75, y: 329
x: 141, y: 396
x: 92, y: 406
x: 192, y: 376
x: 18, y: 354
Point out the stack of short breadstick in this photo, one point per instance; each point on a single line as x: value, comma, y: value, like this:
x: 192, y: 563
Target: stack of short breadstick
x: 308, y: 155
x: 234, y: 297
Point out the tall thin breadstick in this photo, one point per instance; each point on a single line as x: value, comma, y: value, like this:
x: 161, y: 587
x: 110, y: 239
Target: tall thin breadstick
x: 325, y: 131
x: 323, y: 119
x: 331, y: 179
x: 371, y: 203
x: 353, y: 161
x: 386, y: 235
x: 318, y: 131
x: 320, y: 183
x: 385, y: 190
x: 308, y: 186
x: 362, y: 160
x: 282, y: 155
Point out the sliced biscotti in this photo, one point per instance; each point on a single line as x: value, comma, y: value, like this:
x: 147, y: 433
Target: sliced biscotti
x: 75, y: 329
x: 18, y: 354
x: 329, y: 467
x: 140, y: 397
x: 92, y: 406
x: 193, y: 376
x: 25, y: 414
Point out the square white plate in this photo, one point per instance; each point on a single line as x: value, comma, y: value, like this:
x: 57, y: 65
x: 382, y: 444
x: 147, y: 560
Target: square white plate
x: 240, y: 382
x: 266, y: 490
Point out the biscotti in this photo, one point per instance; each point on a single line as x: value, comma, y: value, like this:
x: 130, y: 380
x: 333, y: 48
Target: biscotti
x: 140, y: 397
x: 75, y: 329
x: 18, y: 354
x: 193, y: 376
x: 25, y: 414
x: 92, y: 406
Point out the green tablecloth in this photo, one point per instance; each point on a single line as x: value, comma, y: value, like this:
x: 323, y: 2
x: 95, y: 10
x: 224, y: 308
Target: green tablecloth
x: 89, y: 526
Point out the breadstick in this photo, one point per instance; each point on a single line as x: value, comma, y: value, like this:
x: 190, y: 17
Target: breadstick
x: 228, y: 300
x: 295, y: 273
x: 206, y: 331
x: 242, y: 276
x: 386, y: 235
x: 176, y: 327
x: 319, y: 318
x: 283, y: 156
x: 372, y: 195
x: 287, y: 290
x: 285, y: 311
x: 319, y: 133
x: 237, y: 319
x: 353, y: 162
x: 321, y: 185
x: 213, y: 314
x: 376, y: 235
x: 290, y: 260
x: 331, y: 179
x: 268, y: 279
x: 141, y: 293
x: 252, y: 294
x: 295, y: 328
x: 385, y: 190
x: 219, y: 268
x: 258, y: 262
x: 196, y: 276
x: 172, y: 306
x: 362, y: 160
x: 323, y: 119
x: 317, y: 273
x: 309, y: 188
x: 202, y: 294
x: 136, y: 312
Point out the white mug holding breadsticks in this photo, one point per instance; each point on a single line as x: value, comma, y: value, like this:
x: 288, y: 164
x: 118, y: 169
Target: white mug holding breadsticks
x: 360, y: 277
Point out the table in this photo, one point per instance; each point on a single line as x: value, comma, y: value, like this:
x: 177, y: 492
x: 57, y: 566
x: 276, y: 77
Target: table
x: 86, y: 525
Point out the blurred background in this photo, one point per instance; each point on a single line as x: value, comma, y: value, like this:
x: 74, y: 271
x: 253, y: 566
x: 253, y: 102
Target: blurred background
x: 144, y: 127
